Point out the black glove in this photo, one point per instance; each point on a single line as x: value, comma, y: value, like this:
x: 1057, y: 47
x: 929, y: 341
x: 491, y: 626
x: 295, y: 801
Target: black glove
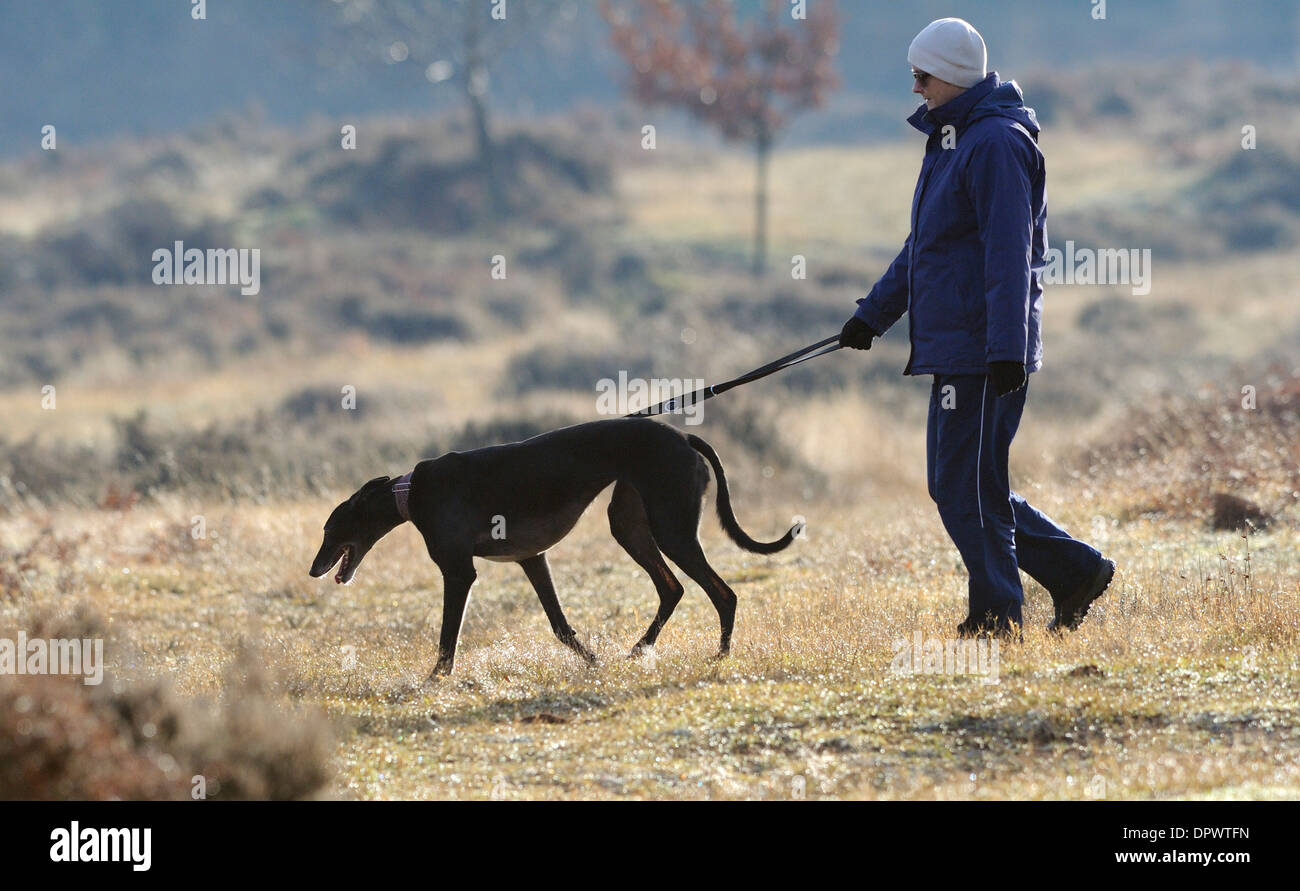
x: 1007, y: 376
x: 856, y: 334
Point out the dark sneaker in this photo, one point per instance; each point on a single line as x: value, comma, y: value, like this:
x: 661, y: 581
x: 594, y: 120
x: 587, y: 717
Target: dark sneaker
x: 1002, y: 630
x: 1073, y: 606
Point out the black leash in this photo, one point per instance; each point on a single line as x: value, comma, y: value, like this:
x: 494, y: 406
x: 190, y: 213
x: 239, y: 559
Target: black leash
x: 829, y: 345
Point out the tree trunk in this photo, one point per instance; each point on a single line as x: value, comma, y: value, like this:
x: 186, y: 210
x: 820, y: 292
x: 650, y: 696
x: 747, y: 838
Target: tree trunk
x: 475, y: 86
x: 485, y: 151
x: 764, y: 147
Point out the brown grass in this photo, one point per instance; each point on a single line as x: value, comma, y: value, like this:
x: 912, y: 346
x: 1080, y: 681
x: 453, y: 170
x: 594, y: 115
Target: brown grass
x: 135, y: 738
x: 1193, y: 693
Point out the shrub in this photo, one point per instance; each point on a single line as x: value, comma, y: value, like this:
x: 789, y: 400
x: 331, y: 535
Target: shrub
x: 499, y: 431
x: 416, y: 326
x: 1202, y: 455
x: 62, y: 739
x: 116, y: 247
x: 408, y: 184
x: 311, y: 403
x: 549, y: 368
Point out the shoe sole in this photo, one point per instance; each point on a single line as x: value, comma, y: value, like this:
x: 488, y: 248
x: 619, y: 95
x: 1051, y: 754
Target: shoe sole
x: 1077, y: 607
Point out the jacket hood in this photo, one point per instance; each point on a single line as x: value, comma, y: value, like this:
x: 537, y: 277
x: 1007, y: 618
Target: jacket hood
x: 1006, y: 100
x: 990, y: 97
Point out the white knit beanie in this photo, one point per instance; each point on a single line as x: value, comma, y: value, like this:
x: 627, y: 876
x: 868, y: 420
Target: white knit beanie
x: 951, y: 50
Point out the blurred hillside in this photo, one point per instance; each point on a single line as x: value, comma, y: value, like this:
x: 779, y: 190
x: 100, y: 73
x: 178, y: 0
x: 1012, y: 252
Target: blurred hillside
x: 136, y: 68
x: 376, y: 268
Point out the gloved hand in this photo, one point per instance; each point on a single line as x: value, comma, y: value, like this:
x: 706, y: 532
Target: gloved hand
x: 1007, y: 376
x: 856, y: 334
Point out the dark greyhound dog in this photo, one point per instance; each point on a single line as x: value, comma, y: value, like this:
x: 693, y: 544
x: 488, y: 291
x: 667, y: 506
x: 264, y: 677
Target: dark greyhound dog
x: 510, y: 503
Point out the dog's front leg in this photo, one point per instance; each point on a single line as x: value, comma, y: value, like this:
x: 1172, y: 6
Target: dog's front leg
x: 456, y: 583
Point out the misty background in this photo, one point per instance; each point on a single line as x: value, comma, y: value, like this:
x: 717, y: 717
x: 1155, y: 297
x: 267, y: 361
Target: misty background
x: 376, y: 262
x: 130, y: 68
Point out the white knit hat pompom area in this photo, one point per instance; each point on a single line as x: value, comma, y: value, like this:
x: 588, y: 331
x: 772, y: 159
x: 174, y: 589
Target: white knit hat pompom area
x: 951, y: 50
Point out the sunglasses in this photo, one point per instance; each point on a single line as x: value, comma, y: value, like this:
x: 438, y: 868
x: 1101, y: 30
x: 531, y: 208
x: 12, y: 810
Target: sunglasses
x: 920, y: 77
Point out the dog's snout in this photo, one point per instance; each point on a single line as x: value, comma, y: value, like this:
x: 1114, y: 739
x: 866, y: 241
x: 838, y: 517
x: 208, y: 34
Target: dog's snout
x: 318, y: 566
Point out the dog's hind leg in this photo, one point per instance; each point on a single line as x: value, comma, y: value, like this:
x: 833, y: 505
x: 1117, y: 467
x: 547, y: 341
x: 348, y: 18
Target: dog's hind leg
x: 673, y: 512
x: 675, y: 521
x: 631, y: 529
x: 539, y: 573
x: 690, y: 557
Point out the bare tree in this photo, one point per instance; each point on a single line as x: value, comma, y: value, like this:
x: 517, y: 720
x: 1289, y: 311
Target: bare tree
x: 745, y: 78
x: 454, y: 42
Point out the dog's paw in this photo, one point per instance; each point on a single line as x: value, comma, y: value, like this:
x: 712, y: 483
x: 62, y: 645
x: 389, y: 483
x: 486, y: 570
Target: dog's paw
x: 439, y: 673
x: 646, y: 655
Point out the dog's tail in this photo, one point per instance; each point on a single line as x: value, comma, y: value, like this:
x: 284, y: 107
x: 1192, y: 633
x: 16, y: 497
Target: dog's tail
x: 728, y: 517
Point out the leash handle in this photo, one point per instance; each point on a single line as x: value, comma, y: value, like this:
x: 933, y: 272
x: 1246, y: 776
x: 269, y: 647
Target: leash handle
x: 812, y: 351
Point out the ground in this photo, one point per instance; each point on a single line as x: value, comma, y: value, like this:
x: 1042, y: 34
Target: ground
x: 1181, y: 683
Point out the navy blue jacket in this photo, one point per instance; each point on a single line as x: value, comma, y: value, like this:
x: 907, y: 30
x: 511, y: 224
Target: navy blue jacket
x: 969, y: 272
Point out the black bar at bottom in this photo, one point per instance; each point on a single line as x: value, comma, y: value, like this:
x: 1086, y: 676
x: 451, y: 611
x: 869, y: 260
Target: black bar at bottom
x: 618, y: 841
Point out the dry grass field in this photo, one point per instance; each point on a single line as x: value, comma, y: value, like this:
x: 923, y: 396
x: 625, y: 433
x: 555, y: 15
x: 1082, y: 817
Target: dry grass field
x: 1184, y: 682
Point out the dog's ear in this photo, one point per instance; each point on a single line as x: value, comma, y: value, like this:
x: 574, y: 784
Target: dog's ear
x: 370, y: 487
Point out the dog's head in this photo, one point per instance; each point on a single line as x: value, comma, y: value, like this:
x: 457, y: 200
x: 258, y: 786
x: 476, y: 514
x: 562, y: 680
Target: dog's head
x: 353, y: 528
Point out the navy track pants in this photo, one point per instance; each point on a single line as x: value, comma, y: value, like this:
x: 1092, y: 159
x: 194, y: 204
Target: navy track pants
x: 968, y: 437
